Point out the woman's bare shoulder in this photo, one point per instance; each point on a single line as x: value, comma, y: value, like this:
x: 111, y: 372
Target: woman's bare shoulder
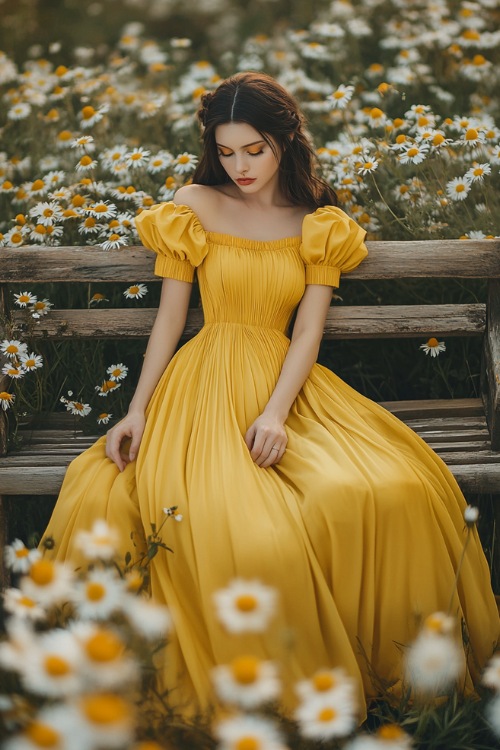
x: 204, y: 200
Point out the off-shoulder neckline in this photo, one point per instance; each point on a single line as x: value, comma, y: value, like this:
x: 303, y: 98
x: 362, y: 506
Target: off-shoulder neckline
x: 232, y: 239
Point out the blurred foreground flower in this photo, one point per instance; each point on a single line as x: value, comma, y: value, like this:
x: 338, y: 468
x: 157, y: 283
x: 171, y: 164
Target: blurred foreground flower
x: 245, y: 606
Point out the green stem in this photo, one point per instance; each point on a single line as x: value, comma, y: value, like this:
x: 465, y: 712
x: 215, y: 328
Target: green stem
x: 459, y: 568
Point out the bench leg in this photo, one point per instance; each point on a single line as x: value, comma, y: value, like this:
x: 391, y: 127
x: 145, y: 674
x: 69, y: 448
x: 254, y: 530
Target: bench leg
x: 4, y: 533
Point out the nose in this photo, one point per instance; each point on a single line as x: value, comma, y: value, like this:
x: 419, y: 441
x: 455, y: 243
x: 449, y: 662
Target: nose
x: 241, y: 163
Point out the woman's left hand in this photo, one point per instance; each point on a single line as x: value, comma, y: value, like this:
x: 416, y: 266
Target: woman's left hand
x: 266, y: 440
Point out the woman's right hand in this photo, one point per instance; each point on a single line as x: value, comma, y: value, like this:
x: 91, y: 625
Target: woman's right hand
x: 130, y: 427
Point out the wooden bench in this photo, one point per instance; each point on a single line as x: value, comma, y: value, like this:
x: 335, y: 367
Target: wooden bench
x: 464, y: 432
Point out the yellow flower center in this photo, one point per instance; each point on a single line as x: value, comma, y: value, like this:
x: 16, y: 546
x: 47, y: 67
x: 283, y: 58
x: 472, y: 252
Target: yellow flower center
x: 169, y: 182
x: 327, y: 714
x: 338, y: 94
x: 478, y: 172
x: 39, y: 305
x: 25, y: 601
x: 133, y: 289
x: 89, y: 222
x: 78, y: 200
x: 4, y: 396
x: 95, y: 591
x: 88, y: 112
x: 104, y: 646
x: 41, y: 735
x: 56, y: 666
x: 184, y: 159
x: 61, y: 70
x: 323, y: 681
x: 368, y: 165
x: 40, y: 229
x: 7, y: 185
x: 471, y: 134
x: 85, y: 160
x: 438, y: 139
x: 23, y: 552
x: 16, y: 237
x: 375, y: 113
x: 105, y: 708
x: 390, y: 732
x: 38, y: 185
x: 117, y: 371
x: 460, y: 188
x: 246, y: 602
x: 423, y: 121
x: 98, y: 296
x: 478, y: 60
x: 48, y: 212
x: 101, y: 208
x: 29, y: 363
x: 112, y: 238
x: 248, y: 743
x: 245, y: 669
x: 413, y: 151
x: 471, y: 34
x: 65, y: 135
x: 42, y: 572
x: 432, y: 342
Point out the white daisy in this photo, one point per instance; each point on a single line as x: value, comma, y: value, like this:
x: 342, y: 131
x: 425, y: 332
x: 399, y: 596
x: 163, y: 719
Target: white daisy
x: 31, y: 361
x: 19, y: 558
x: 326, y: 681
x: 433, y: 663
x: 245, y: 606
x: 159, y: 162
x: 13, y: 371
x: 491, y: 675
x: 458, y: 188
x: 84, y: 143
x: 102, y: 210
x: 103, y: 720
x: 15, y: 603
x: 439, y: 623
x: 99, y: 594
x: 247, y: 681
x: 368, y: 166
x: 323, y: 717
x: 246, y: 731
x: 152, y: 621
x: 104, y: 418
x: 100, y: 543
x: 85, y: 164
x: 184, y: 163
x: 51, y: 727
x: 90, y: 116
x: 433, y: 347
x: 114, y: 241
x: 6, y: 400
x: 24, y: 298
x: 478, y: 172
x: 52, y: 666
x: 117, y: 372
x: 47, y: 212
x: 105, y: 664
x: 387, y: 737
x: 78, y: 409
x: 138, y: 157
x: 107, y: 387
x: 48, y: 582
x: 19, y: 111
x: 415, y: 153
x: 13, y: 348
x: 136, y: 291
x: 41, y: 307
x: 341, y: 97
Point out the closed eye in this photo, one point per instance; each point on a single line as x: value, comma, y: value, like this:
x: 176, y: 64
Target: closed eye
x: 250, y: 153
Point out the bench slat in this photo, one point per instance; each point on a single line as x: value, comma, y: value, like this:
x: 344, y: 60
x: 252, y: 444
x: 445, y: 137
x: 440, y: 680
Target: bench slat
x: 349, y: 322
x: 388, y: 260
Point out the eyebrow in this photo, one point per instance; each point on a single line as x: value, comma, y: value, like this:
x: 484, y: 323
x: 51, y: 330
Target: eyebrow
x: 245, y: 146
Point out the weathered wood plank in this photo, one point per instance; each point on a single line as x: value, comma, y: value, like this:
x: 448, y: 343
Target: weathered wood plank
x: 349, y: 322
x: 47, y: 480
x: 490, y: 368
x: 436, y: 408
x: 386, y: 260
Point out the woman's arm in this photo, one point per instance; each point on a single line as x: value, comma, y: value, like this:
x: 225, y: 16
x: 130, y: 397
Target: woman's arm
x: 268, y: 430
x: 165, y: 334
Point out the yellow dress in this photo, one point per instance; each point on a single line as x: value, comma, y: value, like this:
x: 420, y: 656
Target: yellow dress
x: 360, y: 526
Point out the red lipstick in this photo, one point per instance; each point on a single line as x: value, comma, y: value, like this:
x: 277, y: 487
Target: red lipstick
x: 245, y: 180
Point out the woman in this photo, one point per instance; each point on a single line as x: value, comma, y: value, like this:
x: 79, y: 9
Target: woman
x: 282, y: 472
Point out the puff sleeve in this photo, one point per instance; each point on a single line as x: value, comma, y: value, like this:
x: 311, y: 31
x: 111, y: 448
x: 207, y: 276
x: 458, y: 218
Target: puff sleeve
x: 175, y: 234
x: 332, y: 243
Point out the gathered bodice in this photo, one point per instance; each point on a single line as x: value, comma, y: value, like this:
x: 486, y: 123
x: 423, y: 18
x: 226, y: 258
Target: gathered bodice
x: 249, y: 282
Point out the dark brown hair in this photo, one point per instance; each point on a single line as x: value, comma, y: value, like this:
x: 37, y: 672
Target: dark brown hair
x: 260, y: 101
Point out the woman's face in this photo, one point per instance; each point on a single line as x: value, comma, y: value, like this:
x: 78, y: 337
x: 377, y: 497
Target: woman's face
x: 246, y: 157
